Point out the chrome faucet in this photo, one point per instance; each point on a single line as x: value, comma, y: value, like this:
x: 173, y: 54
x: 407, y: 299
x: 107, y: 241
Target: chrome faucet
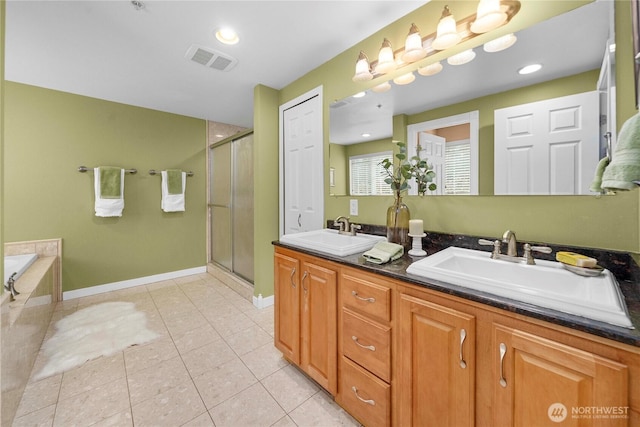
x: 346, y: 227
x: 10, y: 286
x: 509, y: 237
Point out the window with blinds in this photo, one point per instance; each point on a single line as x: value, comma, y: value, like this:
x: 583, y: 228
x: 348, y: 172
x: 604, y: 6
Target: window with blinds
x: 366, y: 175
x: 457, y: 179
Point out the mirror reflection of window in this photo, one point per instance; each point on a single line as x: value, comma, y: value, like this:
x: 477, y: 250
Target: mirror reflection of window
x: 366, y: 175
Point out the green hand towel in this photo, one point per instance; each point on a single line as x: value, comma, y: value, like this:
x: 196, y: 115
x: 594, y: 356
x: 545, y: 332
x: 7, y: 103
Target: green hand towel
x: 384, y: 252
x: 624, y: 168
x: 110, y: 185
x: 174, y: 181
x: 596, y: 184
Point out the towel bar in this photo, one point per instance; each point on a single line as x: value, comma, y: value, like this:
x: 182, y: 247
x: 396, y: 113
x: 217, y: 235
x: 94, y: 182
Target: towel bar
x: 85, y: 169
x: 155, y: 172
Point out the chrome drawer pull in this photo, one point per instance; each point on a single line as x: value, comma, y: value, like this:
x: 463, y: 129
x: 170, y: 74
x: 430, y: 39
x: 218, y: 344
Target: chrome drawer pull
x: 463, y: 336
x: 304, y: 276
x: 367, y: 401
x: 368, y: 347
x: 370, y: 299
x: 503, y: 351
x: 293, y: 271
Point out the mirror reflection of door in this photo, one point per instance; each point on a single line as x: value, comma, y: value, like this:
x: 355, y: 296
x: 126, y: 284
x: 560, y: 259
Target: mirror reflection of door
x: 547, y: 147
x: 450, y: 145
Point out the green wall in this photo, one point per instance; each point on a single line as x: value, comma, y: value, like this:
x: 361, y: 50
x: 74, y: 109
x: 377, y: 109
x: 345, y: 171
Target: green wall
x: 48, y: 134
x: 605, y: 222
x: 266, y: 186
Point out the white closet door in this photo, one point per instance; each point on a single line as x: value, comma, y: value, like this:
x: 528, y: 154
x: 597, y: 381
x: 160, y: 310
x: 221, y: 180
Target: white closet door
x: 547, y: 147
x: 302, y: 168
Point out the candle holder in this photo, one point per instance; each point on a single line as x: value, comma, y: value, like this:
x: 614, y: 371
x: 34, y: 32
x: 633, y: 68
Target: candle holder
x: 416, y: 247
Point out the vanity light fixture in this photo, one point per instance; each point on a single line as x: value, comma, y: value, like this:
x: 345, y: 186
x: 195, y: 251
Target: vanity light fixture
x: 530, y: 69
x: 489, y: 16
x: 404, y: 79
x: 447, y: 32
x: 501, y: 43
x: 227, y: 36
x: 381, y: 88
x: 363, y: 70
x: 462, y: 57
x: 413, y: 49
x: 386, y: 61
x: 430, y: 69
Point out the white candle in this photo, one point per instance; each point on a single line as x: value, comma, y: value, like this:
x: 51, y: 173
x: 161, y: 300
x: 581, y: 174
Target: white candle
x: 416, y: 227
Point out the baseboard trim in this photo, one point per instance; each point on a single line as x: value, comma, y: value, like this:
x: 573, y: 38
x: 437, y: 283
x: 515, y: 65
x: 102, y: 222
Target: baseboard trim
x: 263, y: 302
x: 124, y: 284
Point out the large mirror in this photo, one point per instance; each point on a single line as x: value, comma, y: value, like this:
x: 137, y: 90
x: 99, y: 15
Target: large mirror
x: 573, y: 49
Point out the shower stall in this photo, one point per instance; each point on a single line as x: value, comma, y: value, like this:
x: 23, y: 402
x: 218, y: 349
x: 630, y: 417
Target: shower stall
x: 231, y: 204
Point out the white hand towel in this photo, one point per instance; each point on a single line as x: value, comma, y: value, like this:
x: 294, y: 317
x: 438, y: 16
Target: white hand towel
x: 172, y: 202
x: 108, y: 207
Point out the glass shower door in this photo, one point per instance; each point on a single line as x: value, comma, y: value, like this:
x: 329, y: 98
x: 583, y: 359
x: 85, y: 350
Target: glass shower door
x: 231, y: 206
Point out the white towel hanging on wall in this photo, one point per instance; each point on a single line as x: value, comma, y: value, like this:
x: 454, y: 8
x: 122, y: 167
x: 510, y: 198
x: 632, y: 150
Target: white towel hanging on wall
x: 172, y: 202
x: 108, y: 207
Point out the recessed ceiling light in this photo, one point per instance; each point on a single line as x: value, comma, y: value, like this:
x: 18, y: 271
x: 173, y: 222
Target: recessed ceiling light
x: 227, y: 36
x: 366, y: 135
x: 359, y: 94
x: 530, y: 69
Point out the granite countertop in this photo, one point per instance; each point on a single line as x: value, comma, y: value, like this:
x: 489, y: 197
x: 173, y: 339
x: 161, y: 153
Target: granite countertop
x: 620, y: 264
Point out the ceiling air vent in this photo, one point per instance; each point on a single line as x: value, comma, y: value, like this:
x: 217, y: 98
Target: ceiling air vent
x: 211, y: 58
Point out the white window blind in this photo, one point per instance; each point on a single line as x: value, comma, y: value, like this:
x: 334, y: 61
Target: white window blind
x: 367, y: 176
x: 457, y: 179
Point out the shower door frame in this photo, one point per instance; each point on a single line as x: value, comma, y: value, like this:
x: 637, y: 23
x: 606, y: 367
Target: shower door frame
x: 210, y: 206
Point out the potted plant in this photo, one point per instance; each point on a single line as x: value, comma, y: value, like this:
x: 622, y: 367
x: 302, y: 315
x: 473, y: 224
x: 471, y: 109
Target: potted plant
x: 398, y: 177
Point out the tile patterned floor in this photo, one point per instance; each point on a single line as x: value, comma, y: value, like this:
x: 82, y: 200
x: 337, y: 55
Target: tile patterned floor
x: 214, y: 365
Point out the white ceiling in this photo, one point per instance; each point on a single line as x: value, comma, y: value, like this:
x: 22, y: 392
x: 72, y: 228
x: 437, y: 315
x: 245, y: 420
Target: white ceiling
x: 109, y: 50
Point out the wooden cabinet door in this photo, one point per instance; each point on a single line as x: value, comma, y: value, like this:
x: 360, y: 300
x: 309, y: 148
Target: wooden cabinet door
x: 436, y: 350
x: 287, y: 306
x: 319, y: 354
x: 539, y: 382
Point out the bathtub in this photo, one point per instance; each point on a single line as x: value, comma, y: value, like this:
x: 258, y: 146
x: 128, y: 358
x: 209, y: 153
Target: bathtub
x: 17, y: 264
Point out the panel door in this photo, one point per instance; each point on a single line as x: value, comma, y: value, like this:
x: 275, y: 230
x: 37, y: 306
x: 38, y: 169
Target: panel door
x: 319, y: 354
x: 303, y: 167
x: 547, y: 147
x: 287, y: 306
x: 539, y: 382
x: 437, y: 365
x: 433, y: 149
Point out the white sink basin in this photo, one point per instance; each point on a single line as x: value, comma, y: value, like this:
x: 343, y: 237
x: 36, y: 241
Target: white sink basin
x: 546, y: 284
x: 330, y: 242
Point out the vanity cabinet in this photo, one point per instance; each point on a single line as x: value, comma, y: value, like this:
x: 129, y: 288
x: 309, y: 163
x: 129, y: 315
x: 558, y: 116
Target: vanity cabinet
x: 365, y: 347
x: 436, y: 360
x: 305, y: 315
x: 394, y: 353
x: 538, y: 381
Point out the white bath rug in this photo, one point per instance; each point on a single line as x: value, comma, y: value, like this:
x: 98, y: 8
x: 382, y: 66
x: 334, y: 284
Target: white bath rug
x: 99, y: 330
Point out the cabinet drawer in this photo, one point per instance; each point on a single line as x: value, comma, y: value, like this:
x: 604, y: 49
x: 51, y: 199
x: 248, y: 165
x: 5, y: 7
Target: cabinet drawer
x: 365, y: 396
x: 367, y: 297
x: 367, y: 343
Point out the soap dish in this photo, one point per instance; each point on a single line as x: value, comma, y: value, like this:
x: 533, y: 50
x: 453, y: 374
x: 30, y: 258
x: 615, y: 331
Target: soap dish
x: 582, y: 271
